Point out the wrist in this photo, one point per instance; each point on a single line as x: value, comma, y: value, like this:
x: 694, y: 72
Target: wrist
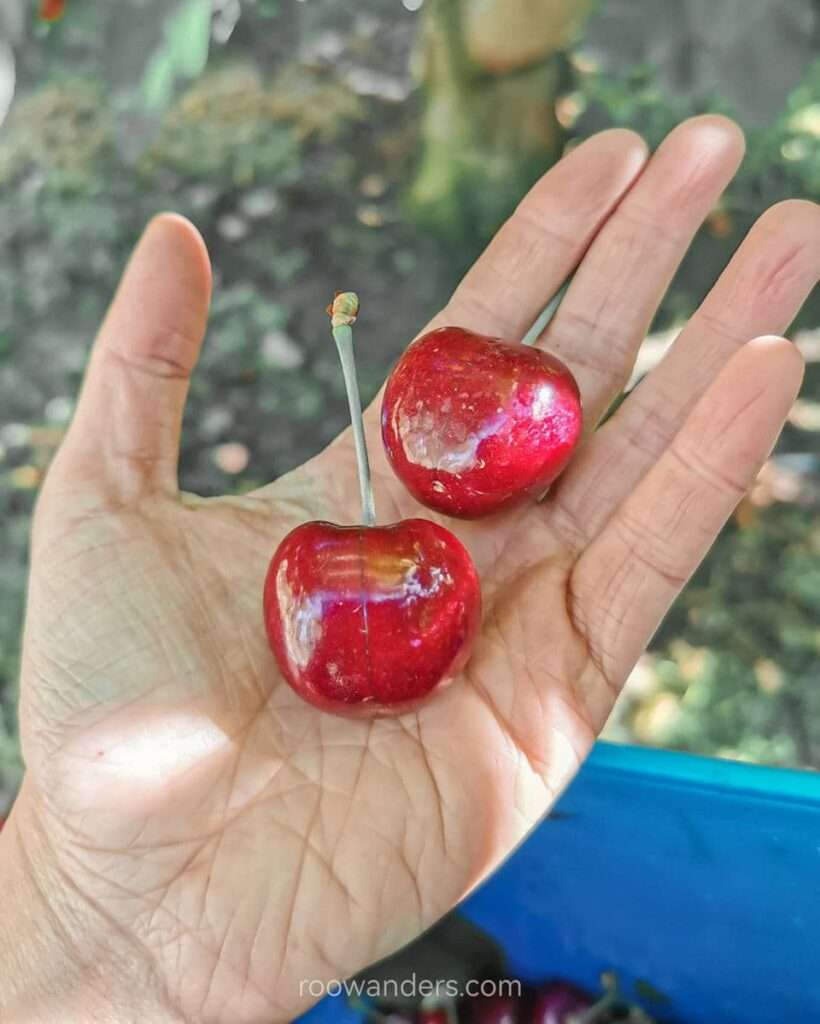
x: 60, y: 959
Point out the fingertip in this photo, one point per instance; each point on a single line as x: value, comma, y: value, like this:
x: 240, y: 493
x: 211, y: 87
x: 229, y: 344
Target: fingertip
x: 799, y: 220
x: 768, y: 365
x: 169, y: 269
x: 698, y: 158
x: 604, y: 165
x: 799, y: 210
x: 715, y: 132
x: 621, y: 144
x: 159, y: 315
x: 177, y: 237
x: 777, y: 351
x: 622, y: 138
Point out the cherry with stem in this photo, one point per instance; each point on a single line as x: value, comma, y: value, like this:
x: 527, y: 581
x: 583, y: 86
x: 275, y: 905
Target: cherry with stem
x: 368, y: 619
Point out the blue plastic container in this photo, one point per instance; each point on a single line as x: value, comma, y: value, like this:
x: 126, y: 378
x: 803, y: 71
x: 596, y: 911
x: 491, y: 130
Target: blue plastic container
x: 700, y: 876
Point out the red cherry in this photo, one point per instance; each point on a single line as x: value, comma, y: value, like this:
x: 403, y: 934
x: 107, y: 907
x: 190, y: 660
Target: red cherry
x: 371, y: 619
x: 557, y: 1002
x: 473, y: 424
x: 436, y: 1016
x: 498, y: 1009
x: 437, y: 1009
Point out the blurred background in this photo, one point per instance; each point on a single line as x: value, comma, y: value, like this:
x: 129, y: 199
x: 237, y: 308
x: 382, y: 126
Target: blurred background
x: 320, y: 144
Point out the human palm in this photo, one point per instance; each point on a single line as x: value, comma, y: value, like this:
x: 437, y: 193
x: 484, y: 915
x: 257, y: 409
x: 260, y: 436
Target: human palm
x: 237, y: 842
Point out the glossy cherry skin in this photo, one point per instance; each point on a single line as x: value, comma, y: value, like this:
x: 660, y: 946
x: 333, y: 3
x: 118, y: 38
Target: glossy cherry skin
x: 473, y: 424
x: 371, y: 620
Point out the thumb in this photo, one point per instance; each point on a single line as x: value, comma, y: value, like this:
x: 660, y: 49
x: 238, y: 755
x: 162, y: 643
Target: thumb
x: 124, y: 438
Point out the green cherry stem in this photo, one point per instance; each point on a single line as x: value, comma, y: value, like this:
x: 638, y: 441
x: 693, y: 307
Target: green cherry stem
x: 343, y: 315
x: 540, y: 325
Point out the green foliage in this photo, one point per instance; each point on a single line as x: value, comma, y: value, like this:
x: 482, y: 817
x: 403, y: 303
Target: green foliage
x: 739, y: 684
x: 62, y: 132
x: 782, y: 160
x: 226, y: 127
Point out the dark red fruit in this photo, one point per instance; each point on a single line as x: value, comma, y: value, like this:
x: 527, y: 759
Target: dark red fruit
x: 498, y: 1009
x: 473, y: 424
x: 556, y: 1001
x: 437, y: 1015
x: 371, y: 620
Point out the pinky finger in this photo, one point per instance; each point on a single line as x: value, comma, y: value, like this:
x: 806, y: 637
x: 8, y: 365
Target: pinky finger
x: 624, y: 583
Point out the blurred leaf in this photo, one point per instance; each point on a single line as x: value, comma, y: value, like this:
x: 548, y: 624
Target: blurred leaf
x: 188, y: 33
x: 182, y: 54
x: 158, y: 83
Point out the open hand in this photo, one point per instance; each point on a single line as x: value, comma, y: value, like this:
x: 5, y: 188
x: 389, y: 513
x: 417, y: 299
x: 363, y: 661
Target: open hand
x: 203, y: 843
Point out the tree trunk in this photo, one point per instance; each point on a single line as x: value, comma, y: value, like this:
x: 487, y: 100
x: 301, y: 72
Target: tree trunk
x: 489, y: 128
